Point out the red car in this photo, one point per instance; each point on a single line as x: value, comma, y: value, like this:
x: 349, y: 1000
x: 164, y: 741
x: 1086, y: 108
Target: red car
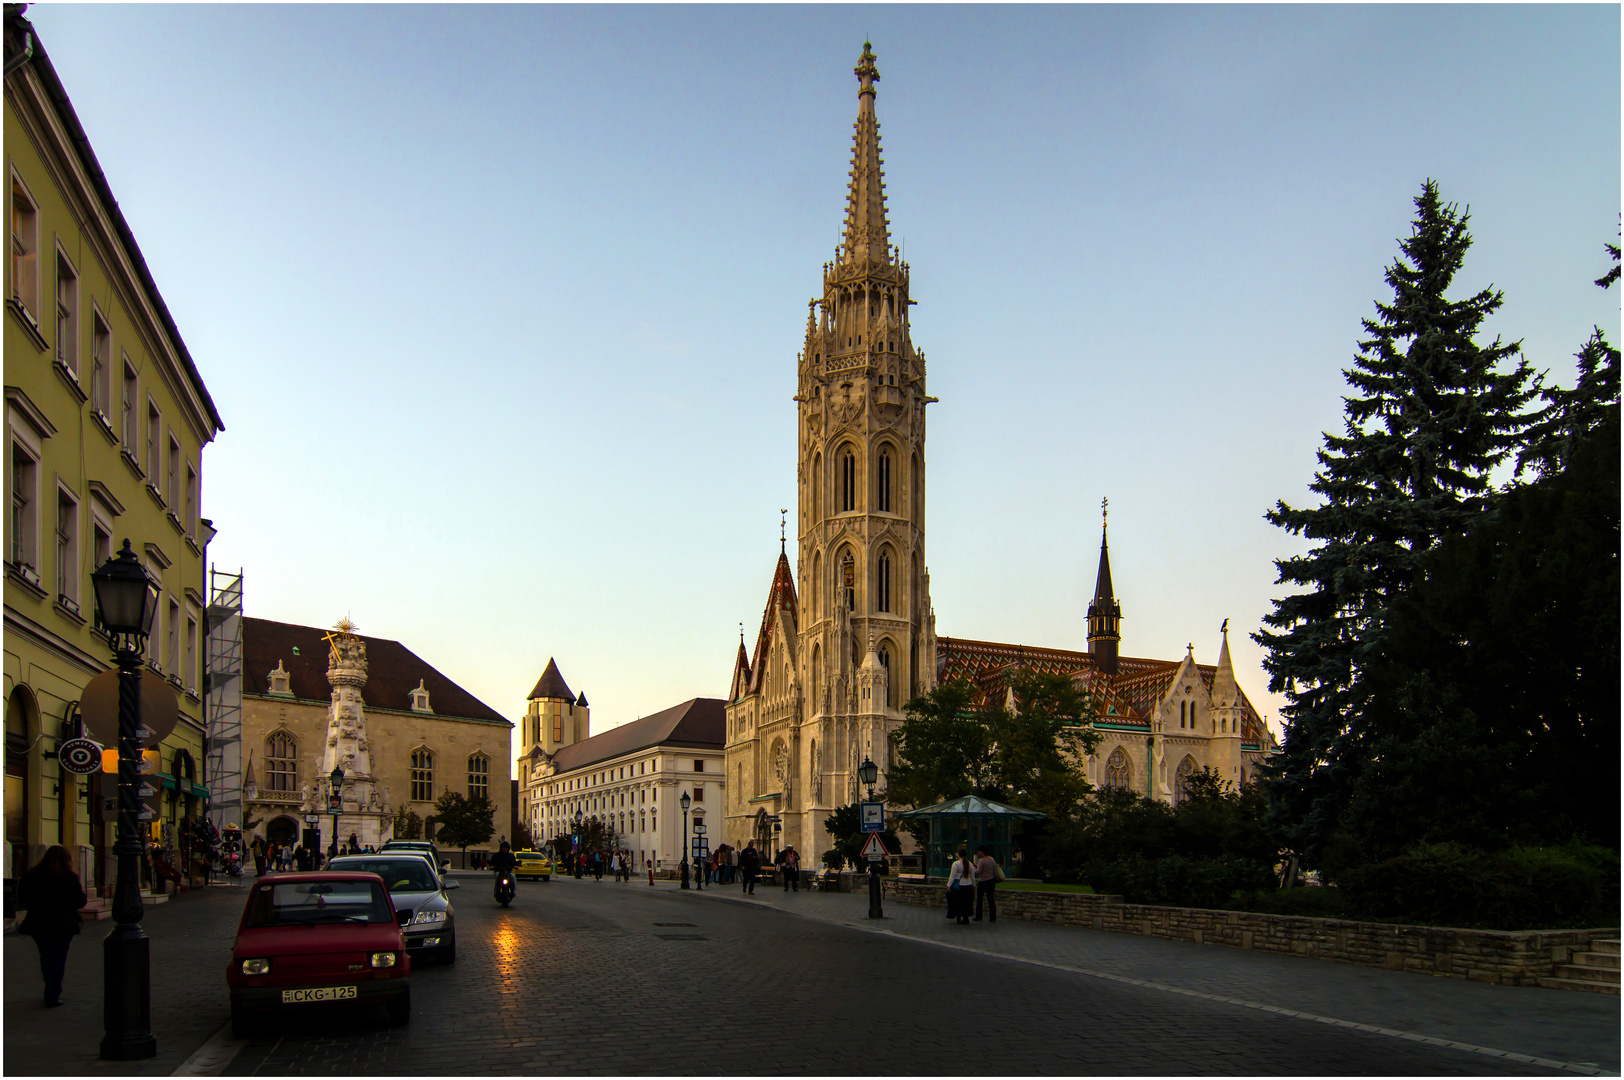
x: 317, y: 938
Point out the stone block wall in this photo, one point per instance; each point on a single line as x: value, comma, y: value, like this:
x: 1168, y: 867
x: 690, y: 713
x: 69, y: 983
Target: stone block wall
x: 1511, y: 958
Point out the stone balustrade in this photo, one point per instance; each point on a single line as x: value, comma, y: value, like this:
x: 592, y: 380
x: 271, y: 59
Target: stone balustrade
x: 1511, y: 958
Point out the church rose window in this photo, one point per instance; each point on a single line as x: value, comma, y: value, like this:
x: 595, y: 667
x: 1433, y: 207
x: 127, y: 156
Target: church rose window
x: 1118, y: 770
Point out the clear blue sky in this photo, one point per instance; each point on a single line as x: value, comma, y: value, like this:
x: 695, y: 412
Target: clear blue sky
x: 501, y: 304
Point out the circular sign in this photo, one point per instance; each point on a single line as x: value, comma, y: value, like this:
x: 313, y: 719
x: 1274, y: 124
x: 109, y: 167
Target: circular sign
x: 80, y: 756
x: 98, y: 705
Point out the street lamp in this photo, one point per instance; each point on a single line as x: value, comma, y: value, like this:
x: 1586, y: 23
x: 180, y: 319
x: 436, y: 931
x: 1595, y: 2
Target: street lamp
x: 126, y: 601
x: 868, y: 772
x: 686, y: 802
x: 578, y: 844
x: 335, y: 803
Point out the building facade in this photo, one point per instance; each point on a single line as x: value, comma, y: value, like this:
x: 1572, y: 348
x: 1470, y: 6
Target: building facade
x: 553, y: 719
x: 106, y: 420
x: 403, y: 732
x: 849, y: 632
x: 633, y: 777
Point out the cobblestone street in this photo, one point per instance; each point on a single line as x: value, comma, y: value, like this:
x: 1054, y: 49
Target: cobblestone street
x: 596, y: 977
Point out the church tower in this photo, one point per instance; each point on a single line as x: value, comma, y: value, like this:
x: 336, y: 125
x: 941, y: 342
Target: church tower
x: 1104, y: 613
x: 867, y: 636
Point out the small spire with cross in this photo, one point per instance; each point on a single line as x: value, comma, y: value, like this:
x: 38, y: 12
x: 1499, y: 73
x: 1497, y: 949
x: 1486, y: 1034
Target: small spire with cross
x: 783, y: 520
x: 1105, y: 511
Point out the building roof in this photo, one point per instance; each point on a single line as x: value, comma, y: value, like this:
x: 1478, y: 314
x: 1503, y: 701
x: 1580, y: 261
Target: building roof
x: 16, y: 28
x: 780, y: 597
x: 974, y: 804
x: 552, y: 685
x: 393, y: 671
x: 698, y: 723
x: 1126, y: 699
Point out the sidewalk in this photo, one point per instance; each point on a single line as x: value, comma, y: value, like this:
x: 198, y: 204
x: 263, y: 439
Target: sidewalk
x: 191, y: 934
x: 1561, y: 1026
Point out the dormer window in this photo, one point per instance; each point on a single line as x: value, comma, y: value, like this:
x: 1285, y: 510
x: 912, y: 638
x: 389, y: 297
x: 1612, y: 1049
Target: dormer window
x: 279, y: 680
x: 420, y: 698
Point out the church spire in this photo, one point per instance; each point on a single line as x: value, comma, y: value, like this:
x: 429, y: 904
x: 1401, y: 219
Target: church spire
x: 868, y: 235
x: 1104, y: 613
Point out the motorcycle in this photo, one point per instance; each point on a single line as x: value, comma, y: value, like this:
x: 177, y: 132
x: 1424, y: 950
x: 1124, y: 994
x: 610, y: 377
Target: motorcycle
x: 505, y: 888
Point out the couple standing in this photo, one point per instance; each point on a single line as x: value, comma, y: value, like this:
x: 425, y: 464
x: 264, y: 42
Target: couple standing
x: 979, y: 880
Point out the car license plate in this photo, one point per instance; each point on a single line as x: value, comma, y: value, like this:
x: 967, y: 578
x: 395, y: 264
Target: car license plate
x: 319, y: 993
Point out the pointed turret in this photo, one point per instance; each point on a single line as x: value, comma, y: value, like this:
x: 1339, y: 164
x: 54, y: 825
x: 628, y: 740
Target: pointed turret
x: 1104, y: 615
x: 868, y: 234
x: 741, y: 672
x: 1226, y: 691
x: 551, y: 685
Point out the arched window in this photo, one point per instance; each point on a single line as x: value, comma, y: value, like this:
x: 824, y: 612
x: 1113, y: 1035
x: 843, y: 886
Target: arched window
x: 281, y: 762
x: 1118, y: 770
x: 848, y: 479
x: 882, y: 582
x: 884, y: 651
x: 1181, y: 714
x: 848, y: 581
x: 815, y: 593
x: 1181, y: 779
x: 422, y: 775
x: 817, y: 488
x: 479, y: 776
x: 882, y: 481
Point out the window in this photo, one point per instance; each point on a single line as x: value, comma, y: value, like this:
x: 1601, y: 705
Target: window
x: 24, y: 249
x: 848, y: 582
x: 172, y: 476
x: 479, y: 777
x: 101, y: 545
x: 883, y: 582
x: 558, y: 725
x: 699, y: 793
x: 420, y: 698
x: 422, y: 775
x: 190, y: 520
x: 67, y: 310
x: 172, y: 640
x: 126, y: 410
x: 1181, y: 714
x: 67, y: 550
x: 188, y: 659
x: 882, y: 484
x: 699, y: 764
x: 281, y: 762
x: 1118, y: 770
x: 154, y: 426
x: 24, y: 497
x: 101, y: 352
x: 1181, y: 779
x: 848, y: 479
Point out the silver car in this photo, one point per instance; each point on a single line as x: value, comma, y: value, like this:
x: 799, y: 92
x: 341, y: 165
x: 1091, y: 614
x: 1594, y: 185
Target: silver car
x: 430, y: 928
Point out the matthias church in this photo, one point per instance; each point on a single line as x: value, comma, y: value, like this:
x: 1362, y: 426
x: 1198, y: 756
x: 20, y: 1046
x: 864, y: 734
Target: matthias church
x: 849, y: 633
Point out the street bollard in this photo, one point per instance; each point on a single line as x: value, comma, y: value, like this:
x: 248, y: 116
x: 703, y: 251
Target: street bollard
x: 875, y: 910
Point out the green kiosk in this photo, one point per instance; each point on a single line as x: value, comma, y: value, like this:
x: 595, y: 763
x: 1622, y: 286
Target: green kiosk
x: 970, y: 822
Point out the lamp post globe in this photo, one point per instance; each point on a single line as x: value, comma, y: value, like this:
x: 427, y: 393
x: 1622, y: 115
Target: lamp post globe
x: 868, y: 772
x: 126, y: 601
x: 686, y: 802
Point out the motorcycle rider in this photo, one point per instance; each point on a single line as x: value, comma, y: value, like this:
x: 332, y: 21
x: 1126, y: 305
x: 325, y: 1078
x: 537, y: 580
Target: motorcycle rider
x: 504, y: 862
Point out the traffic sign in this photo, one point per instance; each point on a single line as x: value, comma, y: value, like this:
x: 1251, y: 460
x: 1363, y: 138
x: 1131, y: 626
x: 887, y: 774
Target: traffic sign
x: 699, y: 828
x: 874, y: 848
x: 80, y: 756
x: 98, y: 705
x: 873, y: 817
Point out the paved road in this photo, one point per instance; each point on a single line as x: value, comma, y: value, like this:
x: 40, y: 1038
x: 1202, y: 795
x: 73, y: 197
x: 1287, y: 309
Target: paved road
x: 595, y: 977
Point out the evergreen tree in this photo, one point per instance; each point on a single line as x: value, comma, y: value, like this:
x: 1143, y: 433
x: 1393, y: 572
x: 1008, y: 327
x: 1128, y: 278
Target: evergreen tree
x: 1431, y: 413
x: 1570, y: 415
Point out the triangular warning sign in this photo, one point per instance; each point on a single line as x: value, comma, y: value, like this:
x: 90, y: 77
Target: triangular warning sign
x: 873, y: 848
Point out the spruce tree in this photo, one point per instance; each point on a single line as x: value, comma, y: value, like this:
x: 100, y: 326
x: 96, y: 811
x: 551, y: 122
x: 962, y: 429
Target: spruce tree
x: 1430, y: 414
x: 1571, y: 415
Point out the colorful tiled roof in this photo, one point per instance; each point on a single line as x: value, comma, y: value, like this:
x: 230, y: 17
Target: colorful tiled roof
x: 781, y: 594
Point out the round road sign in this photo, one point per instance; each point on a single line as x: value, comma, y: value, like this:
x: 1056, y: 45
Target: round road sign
x: 98, y: 704
x: 80, y: 756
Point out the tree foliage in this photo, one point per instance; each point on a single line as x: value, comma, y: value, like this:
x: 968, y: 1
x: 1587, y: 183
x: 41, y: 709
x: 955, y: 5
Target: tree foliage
x: 1030, y: 755
x: 408, y: 825
x: 461, y: 821
x: 1430, y: 414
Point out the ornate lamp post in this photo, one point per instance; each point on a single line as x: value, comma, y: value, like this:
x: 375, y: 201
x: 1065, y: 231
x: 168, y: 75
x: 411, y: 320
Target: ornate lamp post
x: 578, y: 844
x: 686, y: 802
x: 126, y: 600
x: 335, y: 803
x: 868, y: 772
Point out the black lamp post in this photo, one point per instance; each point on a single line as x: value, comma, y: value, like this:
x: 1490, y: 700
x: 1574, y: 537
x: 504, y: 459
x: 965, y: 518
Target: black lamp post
x: 579, y: 844
x: 335, y: 803
x: 686, y: 802
x: 126, y: 601
x: 868, y: 772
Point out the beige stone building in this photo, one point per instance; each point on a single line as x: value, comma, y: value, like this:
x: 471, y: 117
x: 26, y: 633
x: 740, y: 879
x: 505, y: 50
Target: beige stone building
x: 107, y: 417
x: 849, y: 633
x: 379, y: 708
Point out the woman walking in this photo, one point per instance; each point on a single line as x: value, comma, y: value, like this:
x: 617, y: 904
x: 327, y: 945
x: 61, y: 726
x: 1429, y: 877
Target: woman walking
x: 960, y: 888
x: 52, y: 896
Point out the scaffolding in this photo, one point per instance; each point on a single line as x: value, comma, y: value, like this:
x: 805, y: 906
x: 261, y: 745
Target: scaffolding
x: 223, y: 763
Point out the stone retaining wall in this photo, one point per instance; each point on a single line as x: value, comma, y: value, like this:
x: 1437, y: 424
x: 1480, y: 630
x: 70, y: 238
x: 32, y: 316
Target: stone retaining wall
x: 1519, y: 958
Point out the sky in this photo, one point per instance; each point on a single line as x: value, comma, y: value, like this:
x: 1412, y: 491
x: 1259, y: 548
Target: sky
x: 501, y: 305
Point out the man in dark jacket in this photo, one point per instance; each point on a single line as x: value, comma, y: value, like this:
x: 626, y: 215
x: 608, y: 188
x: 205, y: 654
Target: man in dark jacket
x: 749, y: 866
x: 52, y: 896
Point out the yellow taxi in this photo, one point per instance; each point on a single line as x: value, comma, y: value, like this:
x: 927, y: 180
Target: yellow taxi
x: 532, y: 864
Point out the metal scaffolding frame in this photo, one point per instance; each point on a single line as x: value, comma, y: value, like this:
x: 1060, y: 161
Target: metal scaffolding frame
x: 224, y: 658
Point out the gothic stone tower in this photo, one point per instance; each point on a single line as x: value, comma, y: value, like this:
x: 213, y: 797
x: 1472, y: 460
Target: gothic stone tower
x: 866, y: 631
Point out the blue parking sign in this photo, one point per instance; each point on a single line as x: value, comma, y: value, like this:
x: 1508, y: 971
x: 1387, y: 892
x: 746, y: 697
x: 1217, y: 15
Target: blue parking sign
x: 873, y: 817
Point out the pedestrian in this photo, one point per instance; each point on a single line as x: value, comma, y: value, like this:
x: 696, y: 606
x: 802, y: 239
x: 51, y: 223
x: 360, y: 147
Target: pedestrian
x: 792, y: 869
x: 52, y: 896
x: 597, y: 866
x: 257, y: 848
x: 749, y: 864
x: 778, y: 865
x: 959, y: 886
x: 987, y: 874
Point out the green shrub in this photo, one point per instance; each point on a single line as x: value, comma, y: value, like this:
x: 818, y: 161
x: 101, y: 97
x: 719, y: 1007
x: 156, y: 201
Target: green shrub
x: 833, y: 859
x: 1179, y: 880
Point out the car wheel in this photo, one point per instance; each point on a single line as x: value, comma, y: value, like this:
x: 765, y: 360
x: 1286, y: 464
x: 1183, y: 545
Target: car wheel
x: 242, y: 1023
x: 400, y: 1009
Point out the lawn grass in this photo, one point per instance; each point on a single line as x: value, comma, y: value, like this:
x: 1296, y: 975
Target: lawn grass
x: 1039, y: 886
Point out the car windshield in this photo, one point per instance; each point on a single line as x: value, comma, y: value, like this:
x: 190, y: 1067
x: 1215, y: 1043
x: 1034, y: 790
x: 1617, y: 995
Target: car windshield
x: 310, y: 902
x: 399, y: 875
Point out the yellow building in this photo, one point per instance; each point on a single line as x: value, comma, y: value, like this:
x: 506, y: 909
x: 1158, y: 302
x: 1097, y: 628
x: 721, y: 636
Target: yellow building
x: 106, y: 420
x: 421, y: 734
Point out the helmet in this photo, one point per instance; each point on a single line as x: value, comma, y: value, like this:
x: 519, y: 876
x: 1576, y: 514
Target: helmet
x: 504, y: 845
